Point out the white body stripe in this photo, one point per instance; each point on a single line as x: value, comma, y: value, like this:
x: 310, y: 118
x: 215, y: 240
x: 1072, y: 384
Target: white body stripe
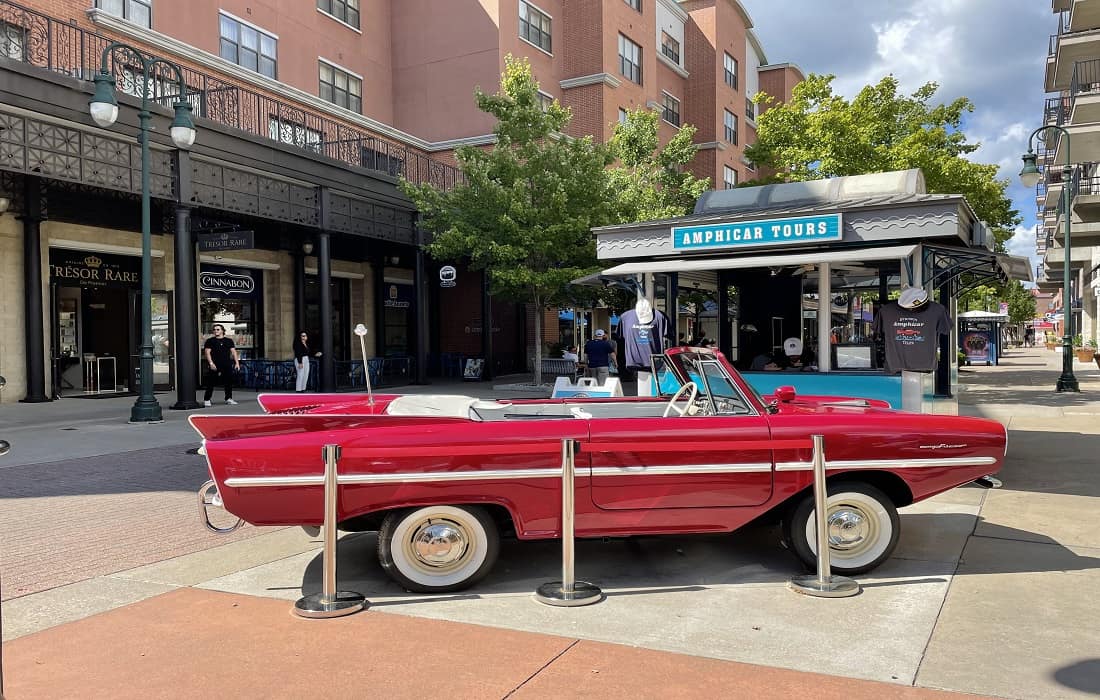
x: 674, y: 469
x: 889, y: 463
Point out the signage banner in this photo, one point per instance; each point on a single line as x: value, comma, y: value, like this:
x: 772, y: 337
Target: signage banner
x: 978, y: 346
x: 233, y: 240
x: 765, y: 232
x: 230, y: 282
x: 79, y: 267
x: 447, y: 276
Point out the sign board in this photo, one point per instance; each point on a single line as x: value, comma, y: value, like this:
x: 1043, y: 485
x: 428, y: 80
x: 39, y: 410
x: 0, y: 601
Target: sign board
x: 79, y: 267
x: 229, y: 282
x: 232, y: 240
x: 447, y: 276
x: 474, y: 367
x: 398, y: 296
x: 752, y: 234
x: 978, y: 346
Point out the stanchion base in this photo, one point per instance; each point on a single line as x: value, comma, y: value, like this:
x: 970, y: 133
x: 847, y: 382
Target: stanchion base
x: 554, y: 593
x: 831, y: 587
x: 316, y: 606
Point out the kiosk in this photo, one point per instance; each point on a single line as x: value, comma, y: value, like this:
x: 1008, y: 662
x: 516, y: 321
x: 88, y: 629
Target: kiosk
x: 980, y: 336
x: 814, y: 262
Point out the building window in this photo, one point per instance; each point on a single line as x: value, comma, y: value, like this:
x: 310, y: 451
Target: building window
x: 731, y: 126
x: 545, y: 100
x: 136, y: 11
x: 636, y: 4
x: 347, y: 11
x: 670, y: 48
x: 630, y: 60
x: 729, y: 177
x: 750, y: 109
x: 623, y: 115
x: 13, y: 41
x: 385, y: 162
x: 534, y: 26
x: 730, y: 64
x: 670, y: 109
x: 247, y: 46
x: 341, y: 88
x: 161, y: 88
x: 294, y: 133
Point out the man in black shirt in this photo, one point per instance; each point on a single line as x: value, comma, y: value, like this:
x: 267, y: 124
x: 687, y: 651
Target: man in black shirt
x: 222, y: 362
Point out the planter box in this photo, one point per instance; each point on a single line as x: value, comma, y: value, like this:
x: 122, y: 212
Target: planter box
x: 1085, y: 354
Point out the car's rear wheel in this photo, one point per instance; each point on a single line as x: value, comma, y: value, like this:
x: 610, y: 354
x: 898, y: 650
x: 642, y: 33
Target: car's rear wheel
x: 863, y: 528
x: 438, y: 549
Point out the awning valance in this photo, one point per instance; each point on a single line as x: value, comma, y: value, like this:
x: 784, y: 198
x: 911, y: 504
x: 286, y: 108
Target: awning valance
x: 773, y: 260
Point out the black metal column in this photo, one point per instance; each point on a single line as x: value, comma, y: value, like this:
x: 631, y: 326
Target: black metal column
x: 421, y: 320
x: 725, y: 328
x: 943, y: 368
x: 378, y: 268
x: 299, y: 292
x: 327, y: 381
x: 32, y: 296
x: 486, y: 327
x: 185, y: 313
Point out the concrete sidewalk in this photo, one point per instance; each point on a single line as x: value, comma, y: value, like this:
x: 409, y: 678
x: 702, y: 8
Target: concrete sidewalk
x: 989, y: 592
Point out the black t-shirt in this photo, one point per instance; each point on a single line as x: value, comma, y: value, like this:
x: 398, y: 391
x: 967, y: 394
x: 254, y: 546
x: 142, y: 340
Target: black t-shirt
x: 219, y: 351
x: 912, y: 335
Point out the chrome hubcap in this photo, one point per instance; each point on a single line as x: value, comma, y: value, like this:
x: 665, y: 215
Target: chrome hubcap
x: 439, y: 543
x: 847, y: 528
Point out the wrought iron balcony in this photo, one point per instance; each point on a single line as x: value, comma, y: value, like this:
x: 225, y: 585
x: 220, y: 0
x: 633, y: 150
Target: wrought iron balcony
x: 45, y: 42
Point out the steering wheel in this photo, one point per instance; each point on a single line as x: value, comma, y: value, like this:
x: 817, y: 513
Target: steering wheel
x: 691, y: 387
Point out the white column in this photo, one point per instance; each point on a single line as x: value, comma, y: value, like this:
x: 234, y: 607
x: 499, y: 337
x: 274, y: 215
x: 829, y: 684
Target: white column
x: 824, y: 317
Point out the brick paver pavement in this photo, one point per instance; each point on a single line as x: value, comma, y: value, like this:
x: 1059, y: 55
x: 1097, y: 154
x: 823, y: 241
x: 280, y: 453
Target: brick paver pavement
x: 67, y: 521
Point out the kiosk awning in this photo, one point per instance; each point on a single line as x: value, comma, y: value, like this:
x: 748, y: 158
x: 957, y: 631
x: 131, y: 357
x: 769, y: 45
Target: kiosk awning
x: 774, y: 260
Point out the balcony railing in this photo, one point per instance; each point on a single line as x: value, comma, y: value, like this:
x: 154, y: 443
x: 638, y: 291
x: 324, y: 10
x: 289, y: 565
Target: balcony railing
x: 45, y: 42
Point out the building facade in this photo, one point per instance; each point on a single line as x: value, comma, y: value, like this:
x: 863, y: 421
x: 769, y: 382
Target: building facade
x: 285, y: 214
x: 1073, y: 76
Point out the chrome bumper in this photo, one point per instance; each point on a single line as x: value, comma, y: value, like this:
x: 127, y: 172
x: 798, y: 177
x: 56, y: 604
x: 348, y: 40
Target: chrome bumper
x: 209, y: 497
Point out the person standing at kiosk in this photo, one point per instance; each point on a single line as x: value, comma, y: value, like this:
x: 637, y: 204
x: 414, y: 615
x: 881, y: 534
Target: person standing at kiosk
x: 600, y: 353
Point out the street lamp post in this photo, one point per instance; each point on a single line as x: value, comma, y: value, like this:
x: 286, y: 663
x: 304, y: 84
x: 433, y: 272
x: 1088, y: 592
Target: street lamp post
x: 1029, y: 176
x: 104, y: 110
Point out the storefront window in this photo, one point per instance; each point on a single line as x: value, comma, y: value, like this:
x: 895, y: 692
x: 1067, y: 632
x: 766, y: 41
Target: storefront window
x: 232, y: 297
x: 341, y: 310
x: 853, y: 299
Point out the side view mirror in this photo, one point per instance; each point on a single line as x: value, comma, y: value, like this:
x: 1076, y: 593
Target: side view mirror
x: 5, y: 447
x: 2, y: 381
x: 784, y: 394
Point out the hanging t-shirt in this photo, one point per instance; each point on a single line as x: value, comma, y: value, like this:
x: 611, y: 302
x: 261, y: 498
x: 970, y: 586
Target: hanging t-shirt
x: 912, y: 335
x: 643, y: 339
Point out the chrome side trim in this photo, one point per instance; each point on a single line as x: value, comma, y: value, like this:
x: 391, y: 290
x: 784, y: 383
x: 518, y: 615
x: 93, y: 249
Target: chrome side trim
x: 397, y: 477
x: 676, y: 469
x: 889, y: 463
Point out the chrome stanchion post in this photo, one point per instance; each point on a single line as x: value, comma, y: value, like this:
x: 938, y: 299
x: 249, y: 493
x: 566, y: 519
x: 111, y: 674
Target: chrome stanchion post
x: 329, y: 602
x: 824, y: 585
x: 568, y: 592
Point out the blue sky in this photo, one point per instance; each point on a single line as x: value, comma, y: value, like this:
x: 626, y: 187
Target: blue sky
x: 991, y: 51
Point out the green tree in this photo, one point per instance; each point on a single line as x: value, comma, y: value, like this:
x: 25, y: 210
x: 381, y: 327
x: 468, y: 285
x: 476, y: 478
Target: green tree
x: 652, y: 182
x: 526, y: 206
x: 818, y: 134
x: 1021, y: 304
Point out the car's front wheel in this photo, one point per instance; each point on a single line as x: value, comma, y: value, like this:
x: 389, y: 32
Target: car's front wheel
x: 863, y: 528
x: 438, y: 549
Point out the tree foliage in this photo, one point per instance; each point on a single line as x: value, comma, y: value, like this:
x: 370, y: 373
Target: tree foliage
x: 526, y: 207
x: 652, y: 182
x: 818, y: 134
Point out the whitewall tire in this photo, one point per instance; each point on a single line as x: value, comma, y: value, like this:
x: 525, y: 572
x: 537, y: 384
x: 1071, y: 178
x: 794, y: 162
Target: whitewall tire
x: 438, y: 549
x: 863, y: 527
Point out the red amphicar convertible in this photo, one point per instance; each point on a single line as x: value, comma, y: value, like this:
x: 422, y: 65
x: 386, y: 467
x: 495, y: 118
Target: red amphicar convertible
x: 442, y: 477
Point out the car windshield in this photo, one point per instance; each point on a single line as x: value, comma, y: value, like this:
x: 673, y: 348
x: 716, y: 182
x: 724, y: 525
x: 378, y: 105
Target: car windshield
x: 716, y: 389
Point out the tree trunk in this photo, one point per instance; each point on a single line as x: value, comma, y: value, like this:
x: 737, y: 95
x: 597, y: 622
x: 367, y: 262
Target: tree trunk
x: 538, y: 341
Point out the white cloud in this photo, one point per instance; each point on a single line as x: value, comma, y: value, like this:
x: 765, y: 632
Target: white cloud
x: 1022, y: 243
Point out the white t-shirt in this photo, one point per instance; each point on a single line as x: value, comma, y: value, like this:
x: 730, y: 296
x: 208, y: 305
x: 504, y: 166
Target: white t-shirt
x: 570, y: 356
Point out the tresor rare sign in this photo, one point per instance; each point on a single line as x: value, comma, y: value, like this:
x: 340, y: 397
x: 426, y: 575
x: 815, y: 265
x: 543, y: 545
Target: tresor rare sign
x: 768, y: 232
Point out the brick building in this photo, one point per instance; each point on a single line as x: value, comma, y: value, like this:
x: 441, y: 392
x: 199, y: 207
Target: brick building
x: 306, y: 113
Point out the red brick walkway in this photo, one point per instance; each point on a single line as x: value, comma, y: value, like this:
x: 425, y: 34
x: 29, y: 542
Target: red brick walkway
x: 192, y: 643
x: 63, y: 522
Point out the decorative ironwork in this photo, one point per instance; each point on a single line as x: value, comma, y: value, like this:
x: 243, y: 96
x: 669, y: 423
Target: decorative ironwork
x: 39, y: 40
